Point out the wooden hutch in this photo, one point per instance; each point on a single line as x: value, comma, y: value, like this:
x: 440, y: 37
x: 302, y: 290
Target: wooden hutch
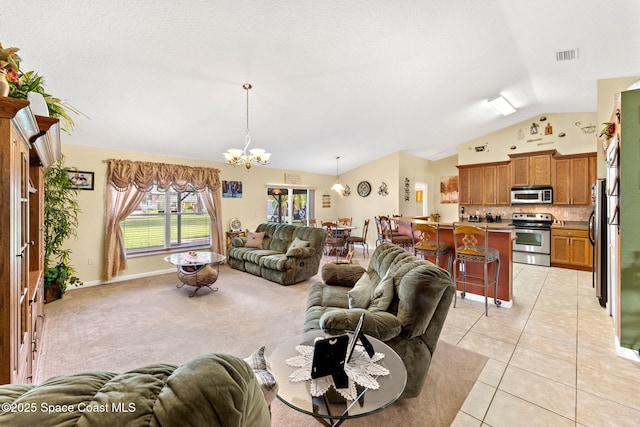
x: 28, y: 146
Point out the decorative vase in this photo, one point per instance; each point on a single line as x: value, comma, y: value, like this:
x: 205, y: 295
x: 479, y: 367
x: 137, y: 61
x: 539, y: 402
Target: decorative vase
x: 4, y: 84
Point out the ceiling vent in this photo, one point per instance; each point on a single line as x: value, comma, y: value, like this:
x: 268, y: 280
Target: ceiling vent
x: 567, y: 55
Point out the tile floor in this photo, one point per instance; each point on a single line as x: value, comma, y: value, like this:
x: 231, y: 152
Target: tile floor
x: 552, y: 358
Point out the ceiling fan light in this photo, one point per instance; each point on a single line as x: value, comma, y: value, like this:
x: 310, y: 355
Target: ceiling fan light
x: 501, y: 105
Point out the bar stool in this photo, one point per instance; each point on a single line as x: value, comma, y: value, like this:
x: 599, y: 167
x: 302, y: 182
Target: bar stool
x: 426, y: 240
x: 468, y: 249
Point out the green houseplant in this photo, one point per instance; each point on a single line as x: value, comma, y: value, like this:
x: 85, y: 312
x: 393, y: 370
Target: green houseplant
x: 31, y: 81
x: 60, y: 222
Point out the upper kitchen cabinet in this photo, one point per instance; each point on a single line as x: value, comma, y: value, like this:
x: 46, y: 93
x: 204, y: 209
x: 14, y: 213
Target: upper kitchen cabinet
x: 496, y: 184
x: 531, y: 168
x: 572, y: 176
x: 470, y: 185
x: 487, y: 184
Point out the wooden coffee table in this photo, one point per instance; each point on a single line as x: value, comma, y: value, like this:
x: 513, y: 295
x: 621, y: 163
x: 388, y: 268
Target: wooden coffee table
x: 331, y: 409
x: 198, y: 269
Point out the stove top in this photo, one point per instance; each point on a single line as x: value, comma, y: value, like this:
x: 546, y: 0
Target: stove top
x: 532, y: 217
x: 532, y: 220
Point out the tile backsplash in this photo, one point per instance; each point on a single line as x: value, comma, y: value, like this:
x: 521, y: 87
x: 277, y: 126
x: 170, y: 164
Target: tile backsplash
x: 560, y: 213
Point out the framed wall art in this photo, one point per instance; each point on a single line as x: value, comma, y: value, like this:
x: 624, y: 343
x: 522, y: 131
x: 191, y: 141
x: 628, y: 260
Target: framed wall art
x: 81, y: 180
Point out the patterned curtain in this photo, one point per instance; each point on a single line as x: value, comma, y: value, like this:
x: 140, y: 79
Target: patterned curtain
x: 127, y: 183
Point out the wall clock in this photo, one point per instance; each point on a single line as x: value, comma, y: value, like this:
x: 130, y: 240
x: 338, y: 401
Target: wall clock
x: 364, y: 188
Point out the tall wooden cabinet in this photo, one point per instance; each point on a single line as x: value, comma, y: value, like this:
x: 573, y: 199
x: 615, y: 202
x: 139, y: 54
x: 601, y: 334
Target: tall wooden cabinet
x: 28, y: 145
x: 485, y: 184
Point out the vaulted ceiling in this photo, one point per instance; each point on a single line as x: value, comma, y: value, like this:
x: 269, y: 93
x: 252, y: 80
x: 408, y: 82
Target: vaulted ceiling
x: 358, y: 79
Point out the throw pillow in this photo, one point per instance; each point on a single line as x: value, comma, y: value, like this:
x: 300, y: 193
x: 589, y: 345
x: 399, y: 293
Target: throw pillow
x: 297, y: 243
x: 265, y: 378
x: 383, y: 294
x: 360, y: 295
x: 254, y: 240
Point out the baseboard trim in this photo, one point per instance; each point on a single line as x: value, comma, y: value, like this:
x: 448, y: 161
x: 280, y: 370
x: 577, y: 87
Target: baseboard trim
x: 122, y: 278
x: 480, y: 298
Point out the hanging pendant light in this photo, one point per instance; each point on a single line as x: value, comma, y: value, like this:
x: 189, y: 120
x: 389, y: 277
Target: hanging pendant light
x: 337, y: 185
x: 255, y: 156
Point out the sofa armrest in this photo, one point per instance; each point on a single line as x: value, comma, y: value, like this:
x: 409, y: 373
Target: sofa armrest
x: 238, y: 242
x: 301, y: 252
x: 341, y: 274
x: 379, y: 324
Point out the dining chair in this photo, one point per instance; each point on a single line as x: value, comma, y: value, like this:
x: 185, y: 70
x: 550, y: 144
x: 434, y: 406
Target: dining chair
x: 335, y: 242
x: 391, y: 235
x: 360, y: 240
x: 471, y: 245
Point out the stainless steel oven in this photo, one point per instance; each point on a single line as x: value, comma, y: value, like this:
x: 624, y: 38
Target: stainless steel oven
x: 532, y: 244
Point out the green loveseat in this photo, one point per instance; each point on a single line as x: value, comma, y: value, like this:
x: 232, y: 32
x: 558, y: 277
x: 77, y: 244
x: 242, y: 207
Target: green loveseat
x: 211, y: 390
x: 405, y: 300
x: 275, y: 259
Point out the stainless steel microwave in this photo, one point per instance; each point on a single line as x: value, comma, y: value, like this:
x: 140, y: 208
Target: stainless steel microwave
x: 541, y: 194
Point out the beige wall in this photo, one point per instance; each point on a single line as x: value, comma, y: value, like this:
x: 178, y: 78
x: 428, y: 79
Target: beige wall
x: 391, y: 169
x: 499, y: 144
x: 87, y: 249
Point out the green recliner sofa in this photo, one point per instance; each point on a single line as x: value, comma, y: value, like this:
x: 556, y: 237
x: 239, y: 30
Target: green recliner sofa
x: 276, y: 259
x: 211, y: 390
x: 405, y: 300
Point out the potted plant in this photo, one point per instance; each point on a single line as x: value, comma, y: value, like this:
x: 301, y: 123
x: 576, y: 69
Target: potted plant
x: 31, y: 81
x: 60, y: 222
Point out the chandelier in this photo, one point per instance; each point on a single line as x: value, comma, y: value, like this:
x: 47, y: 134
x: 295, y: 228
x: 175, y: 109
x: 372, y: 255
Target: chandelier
x: 337, y: 185
x: 255, y: 156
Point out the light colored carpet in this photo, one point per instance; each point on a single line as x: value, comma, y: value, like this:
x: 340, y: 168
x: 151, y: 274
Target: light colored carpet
x: 129, y: 324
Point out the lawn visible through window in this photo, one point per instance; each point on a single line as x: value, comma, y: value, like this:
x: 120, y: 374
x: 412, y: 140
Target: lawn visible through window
x: 167, y: 220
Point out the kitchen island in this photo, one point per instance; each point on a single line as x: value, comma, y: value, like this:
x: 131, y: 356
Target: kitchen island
x: 500, y: 237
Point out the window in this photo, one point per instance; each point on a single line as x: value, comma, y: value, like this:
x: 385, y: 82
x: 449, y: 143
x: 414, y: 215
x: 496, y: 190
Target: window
x: 167, y: 220
x: 298, y: 212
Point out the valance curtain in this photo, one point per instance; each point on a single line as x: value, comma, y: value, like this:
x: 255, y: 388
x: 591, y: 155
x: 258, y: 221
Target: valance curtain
x: 127, y: 183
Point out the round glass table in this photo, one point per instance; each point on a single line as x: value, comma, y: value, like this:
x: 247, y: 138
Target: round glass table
x: 197, y: 268
x: 331, y: 405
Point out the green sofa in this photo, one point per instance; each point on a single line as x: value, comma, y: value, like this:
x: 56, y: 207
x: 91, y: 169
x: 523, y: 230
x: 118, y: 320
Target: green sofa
x: 275, y: 259
x: 211, y: 390
x: 405, y: 300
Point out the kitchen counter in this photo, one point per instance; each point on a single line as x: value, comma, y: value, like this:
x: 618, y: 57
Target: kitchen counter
x: 500, y: 237
x: 572, y: 224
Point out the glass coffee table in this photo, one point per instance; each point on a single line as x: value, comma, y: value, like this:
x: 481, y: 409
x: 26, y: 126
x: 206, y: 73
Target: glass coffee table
x: 332, y: 408
x: 197, y: 268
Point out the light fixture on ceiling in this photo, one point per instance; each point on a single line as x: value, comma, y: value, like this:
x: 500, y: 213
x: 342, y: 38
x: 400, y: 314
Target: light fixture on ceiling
x: 501, y: 105
x: 255, y: 156
x: 337, y: 186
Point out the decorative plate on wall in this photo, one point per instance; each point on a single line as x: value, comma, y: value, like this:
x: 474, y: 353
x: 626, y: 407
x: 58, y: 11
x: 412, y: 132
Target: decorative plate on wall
x: 364, y: 188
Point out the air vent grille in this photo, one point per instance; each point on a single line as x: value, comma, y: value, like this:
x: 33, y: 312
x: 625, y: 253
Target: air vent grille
x: 567, y: 55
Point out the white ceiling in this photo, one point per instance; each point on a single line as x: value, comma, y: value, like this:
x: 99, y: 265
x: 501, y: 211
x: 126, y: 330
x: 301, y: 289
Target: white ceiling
x: 358, y: 79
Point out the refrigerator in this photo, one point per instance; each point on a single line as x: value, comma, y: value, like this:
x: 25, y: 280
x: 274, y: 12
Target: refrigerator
x: 598, y: 225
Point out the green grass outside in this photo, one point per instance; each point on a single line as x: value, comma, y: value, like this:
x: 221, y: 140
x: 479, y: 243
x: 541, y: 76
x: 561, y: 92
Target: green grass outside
x: 147, y: 231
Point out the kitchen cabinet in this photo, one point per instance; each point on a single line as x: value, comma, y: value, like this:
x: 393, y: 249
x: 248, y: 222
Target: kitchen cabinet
x: 531, y: 168
x: 571, y: 248
x: 572, y: 177
x: 496, y: 184
x: 28, y: 144
x: 470, y: 185
x: 486, y: 184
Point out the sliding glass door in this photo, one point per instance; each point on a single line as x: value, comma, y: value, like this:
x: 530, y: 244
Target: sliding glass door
x: 290, y: 205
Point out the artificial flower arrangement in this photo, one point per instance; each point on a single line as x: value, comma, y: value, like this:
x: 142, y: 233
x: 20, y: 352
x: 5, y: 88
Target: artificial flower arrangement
x: 10, y: 63
x: 23, y: 82
x: 608, y: 131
